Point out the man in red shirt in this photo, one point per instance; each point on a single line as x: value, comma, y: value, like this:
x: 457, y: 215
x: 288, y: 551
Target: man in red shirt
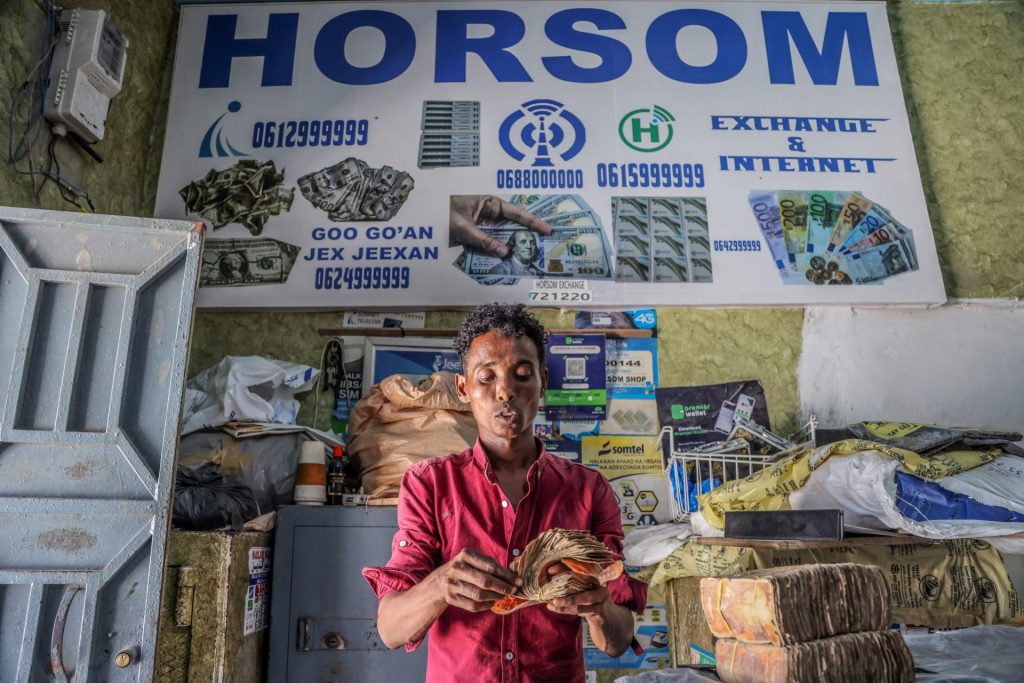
x: 464, y: 517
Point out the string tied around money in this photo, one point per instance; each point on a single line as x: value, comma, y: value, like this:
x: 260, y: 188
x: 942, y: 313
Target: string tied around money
x: 589, y: 563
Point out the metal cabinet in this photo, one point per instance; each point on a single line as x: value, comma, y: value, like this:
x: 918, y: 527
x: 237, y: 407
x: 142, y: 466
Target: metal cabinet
x: 214, y: 615
x: 323, y: 614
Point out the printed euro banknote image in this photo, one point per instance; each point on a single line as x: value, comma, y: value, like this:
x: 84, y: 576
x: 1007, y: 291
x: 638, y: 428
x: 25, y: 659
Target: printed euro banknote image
x: 506, y: 243
x: 832, y: 237
x: 662, y: 239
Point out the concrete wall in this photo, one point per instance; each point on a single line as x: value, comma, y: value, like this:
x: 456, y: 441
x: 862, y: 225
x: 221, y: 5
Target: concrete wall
x: 962, y: 66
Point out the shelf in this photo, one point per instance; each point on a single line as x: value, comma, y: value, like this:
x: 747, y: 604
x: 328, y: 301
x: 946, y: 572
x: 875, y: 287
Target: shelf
x: 451, y: 332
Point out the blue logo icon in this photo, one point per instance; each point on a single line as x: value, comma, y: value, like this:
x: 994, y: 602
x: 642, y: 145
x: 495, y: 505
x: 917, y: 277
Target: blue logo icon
x: 542, y: 129
x: 215, y: 143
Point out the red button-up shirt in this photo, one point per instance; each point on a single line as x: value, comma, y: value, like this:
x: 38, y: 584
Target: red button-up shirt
x: 454, y: 502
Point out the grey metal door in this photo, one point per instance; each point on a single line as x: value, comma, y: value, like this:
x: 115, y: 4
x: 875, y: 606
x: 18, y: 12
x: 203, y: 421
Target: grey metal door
x: 95, y: 313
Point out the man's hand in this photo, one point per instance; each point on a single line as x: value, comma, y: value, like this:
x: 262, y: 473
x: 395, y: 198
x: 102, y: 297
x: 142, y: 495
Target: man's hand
x: 611, y: 625
x: 466, y: 212
x: 587, y: 604
x: 473, y: 581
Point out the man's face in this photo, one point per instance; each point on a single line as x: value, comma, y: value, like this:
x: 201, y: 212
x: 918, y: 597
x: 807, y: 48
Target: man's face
x: 503, y: 384
x: 524, y: 246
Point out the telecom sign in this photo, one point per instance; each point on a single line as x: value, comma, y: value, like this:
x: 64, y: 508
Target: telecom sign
x: 626, y: 154
x: 647, y: 130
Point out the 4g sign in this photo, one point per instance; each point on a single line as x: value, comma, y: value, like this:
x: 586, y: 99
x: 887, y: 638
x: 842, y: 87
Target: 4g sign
x: 578, y: 36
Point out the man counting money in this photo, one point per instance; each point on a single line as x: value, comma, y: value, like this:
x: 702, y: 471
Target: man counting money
x: 464, y: 517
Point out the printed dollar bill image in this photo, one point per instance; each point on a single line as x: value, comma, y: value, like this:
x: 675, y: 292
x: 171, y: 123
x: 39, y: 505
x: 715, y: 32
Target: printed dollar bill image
x: 247, y: 261
x: 352, y: 190
x: 247, y: 193
x: 828, y: 237
x: 662, y: 239
x: 576, y: 248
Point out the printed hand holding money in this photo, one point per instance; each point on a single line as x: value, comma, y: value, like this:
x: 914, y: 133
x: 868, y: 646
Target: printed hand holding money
x: 474, y: 582
x: 469, y: 211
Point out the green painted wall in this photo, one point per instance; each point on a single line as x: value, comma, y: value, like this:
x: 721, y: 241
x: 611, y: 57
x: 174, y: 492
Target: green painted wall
x: 962, y: 67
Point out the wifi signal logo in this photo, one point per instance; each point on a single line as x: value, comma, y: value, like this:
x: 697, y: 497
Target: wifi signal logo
x: 215, y: 143
x: 542, y: 129
x: 647, y: 130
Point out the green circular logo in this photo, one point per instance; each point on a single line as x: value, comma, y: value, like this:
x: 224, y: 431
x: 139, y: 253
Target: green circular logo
x: 648, y: 129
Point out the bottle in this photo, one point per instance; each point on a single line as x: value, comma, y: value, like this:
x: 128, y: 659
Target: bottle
x: 311, y: 476
x: 336, y: 476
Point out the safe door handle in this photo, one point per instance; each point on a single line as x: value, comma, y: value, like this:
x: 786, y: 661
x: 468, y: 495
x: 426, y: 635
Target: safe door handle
x: 302, y: 634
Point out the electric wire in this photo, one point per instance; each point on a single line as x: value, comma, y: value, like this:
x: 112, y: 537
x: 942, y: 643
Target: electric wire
x: 33, y: 90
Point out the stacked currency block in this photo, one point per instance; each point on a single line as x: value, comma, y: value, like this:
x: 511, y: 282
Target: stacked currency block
x: 450, y: 134
x: 824, y: 622
x: 662, y: 239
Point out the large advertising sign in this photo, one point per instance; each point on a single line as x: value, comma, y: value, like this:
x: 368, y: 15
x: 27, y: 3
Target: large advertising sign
x: 605, y: 154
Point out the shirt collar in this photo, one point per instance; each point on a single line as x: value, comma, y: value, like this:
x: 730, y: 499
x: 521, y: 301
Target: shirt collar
x: 480, y: 457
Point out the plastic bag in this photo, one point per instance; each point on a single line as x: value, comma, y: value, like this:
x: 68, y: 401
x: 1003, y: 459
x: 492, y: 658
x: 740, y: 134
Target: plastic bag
x: 205, y: 499
x: 245, y: 388
x: 992, y: 653
x: 398, y: 424
x: 643, y: 546
x: 265, y: 464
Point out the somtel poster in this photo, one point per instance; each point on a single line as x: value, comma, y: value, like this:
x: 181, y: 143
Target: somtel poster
x: 632, y: 465
x: 424, y: 154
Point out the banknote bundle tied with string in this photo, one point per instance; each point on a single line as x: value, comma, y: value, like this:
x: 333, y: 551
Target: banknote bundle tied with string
x: 587, y: 561
x: 820, y: 622
x: 831, y: 237
x: 352, y: 190
x: 576, y: 248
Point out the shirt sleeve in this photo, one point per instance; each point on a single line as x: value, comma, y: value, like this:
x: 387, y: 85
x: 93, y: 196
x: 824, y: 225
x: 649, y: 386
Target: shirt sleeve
x: 415, y: 548
x: 607, y: 527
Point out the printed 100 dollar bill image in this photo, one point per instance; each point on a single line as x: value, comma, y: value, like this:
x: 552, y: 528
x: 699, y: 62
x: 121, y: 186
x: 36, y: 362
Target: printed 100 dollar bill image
x: 832, y: 237
x: 576, y: 248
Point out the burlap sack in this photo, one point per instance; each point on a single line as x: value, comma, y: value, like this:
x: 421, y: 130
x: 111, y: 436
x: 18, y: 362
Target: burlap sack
x: 399, y: 423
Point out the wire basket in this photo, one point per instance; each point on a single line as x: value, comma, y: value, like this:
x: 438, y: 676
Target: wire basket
x: 692, y: 473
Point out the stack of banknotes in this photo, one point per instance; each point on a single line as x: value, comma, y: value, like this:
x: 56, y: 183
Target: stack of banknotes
x: 351, y: 190
x: 576, y: 248
x: 247, y: 193
x: 830, y: 237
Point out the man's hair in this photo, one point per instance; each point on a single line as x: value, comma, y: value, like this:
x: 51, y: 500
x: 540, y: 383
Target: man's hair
x: 509, y: 320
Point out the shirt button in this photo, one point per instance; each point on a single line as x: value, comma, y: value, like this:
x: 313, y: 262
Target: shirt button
x: 402, y: 544
x: 515, y: 552
x: 509, y: 656
x: 504, y: 503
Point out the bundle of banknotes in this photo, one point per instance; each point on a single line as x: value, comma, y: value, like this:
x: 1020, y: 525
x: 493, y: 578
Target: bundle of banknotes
x: 661, y: 239
x: 248, y: 193
x: 830, y: 237
x: 351, y: 190
x: 247, y: 261
x: 576, y: 248
x: 588, y: 562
